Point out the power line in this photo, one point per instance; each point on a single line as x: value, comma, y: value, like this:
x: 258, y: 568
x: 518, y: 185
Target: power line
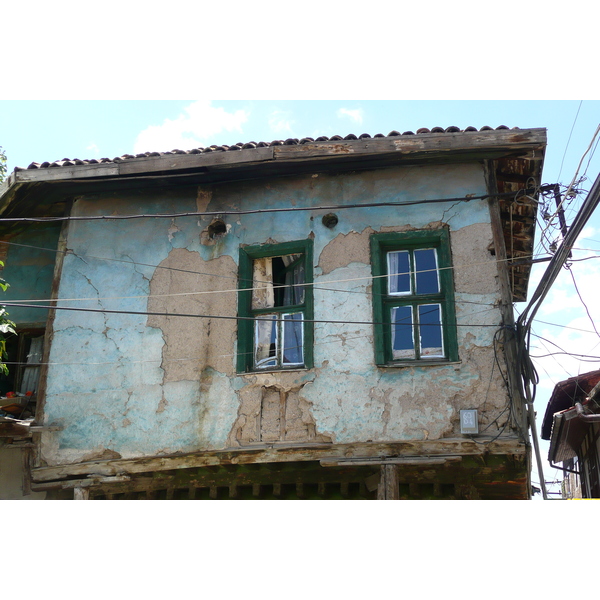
x: 314, y: 285
x: 570, y: 134
x: 582, y: 302
x: 220, y: 213
x: 226, y: 317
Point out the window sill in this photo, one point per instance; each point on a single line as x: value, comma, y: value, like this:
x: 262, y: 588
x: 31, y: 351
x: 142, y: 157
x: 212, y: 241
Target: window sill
x: 258, y: 372
x: 420, y: 363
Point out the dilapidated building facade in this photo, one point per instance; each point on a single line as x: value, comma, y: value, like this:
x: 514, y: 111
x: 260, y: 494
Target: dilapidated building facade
x: 294, y: 319
x: 572, y: 425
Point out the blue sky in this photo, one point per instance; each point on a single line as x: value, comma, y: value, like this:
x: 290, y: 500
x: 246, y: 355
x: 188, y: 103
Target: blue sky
x: 34, y: 130
x: 38, y: 131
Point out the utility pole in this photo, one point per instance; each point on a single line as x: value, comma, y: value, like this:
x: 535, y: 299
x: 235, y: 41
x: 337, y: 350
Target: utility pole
x: 524, y: 322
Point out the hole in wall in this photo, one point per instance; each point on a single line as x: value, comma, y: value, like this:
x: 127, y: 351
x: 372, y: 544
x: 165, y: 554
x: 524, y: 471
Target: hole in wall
x: 330, y: 220
x: 216, y: 229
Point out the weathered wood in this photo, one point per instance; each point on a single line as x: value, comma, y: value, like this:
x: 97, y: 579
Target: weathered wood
x: 81, y: 493
x: 45, y: 428
x: 291, y: 453
x: 388, y: 483
x: 191, y: 161
x: 467, y: 492
x: 506, y: 309
x: 504, y: 477
x: 26, y: 467
x: 499, y: 141
x: 14, y: 430
x: 66, y: 173
x: 502, y: 140
x: 78, y: 483
x: 415, y: 460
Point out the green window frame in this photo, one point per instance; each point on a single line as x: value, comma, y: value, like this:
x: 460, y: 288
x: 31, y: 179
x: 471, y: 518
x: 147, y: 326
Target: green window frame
x: 413, y: 298
x: 275, y: 307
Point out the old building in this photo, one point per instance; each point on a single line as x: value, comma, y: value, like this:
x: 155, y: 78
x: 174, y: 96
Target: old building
x: 572, y: 425
x: 325, y: 318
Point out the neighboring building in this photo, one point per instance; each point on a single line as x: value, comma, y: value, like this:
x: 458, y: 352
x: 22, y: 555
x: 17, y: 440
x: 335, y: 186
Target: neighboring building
x: 294, y: 319
x: 572, y: 424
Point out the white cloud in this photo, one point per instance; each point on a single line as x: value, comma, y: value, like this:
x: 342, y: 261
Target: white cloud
x: 195, y: 127
x: 280, y: 122
x: 93, y: 148
x: 355, y: 115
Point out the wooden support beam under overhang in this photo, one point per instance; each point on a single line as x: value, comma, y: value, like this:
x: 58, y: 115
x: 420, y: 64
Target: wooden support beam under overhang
x: 281, y: 452
x: 489, y: 476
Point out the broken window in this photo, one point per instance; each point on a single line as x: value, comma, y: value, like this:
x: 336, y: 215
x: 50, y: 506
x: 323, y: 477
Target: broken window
x: 18, y: 389
x: 413, y: 297
x: 275, y: 304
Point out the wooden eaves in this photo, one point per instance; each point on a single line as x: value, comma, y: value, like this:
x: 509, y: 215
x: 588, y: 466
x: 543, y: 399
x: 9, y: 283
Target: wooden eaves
x: 515, y: 155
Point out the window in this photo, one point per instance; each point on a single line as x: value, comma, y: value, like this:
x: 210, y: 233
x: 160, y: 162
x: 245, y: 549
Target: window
x: 275, y: 303
x: 413, y: 297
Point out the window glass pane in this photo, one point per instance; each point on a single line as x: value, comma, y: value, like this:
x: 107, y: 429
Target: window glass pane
x: 398, y: 264
x: 403, y: 344
x: 430, y: 330
x: 426, y: 271
x: 292, y: 339
x: 294, y: 276
x: 265, y: 341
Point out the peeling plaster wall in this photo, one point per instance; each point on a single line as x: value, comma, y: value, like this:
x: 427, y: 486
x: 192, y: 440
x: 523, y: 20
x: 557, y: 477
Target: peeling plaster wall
x: 134, y: 385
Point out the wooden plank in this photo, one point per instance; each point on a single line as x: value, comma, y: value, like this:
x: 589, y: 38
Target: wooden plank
x: 81, y: 494
x: 26, y: 466
x: 504, y: 140
x: 177, y: 162
x: 10, y: 430
x: 416, y: 460
x: 42, y: 428
x: 149, y: 164
x: 78, y: 483
x: 279, y: 453
x: 506, y: 307
x: 388, y: 488
x: 66, y: 173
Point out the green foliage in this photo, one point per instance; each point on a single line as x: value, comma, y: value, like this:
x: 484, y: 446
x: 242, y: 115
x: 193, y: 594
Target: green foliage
x: 6, y: 328
x: 2, y: 164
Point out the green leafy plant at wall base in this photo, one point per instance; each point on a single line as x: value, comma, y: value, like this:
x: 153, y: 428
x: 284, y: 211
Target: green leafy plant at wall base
x: 6, y: 327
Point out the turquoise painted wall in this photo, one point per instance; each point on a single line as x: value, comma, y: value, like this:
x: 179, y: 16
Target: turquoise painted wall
x: 111, y: 389
x: 29, y: 271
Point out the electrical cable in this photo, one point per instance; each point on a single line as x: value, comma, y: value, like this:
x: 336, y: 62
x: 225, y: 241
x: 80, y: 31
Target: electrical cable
x: 529, y: 376
x: 569, y: 139
x: 581, y: 299
x: 202, y: 316
x: 314, y: 285
x: 220, y: 213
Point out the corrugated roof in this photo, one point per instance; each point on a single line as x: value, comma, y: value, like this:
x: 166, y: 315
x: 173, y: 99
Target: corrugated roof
x: 67, y: 162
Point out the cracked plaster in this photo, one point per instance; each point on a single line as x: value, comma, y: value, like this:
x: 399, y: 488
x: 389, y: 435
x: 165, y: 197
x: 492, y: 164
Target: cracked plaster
x: 153, y: 399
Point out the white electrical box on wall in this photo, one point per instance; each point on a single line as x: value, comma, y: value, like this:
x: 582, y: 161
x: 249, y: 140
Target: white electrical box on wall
x: 469, y: 422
